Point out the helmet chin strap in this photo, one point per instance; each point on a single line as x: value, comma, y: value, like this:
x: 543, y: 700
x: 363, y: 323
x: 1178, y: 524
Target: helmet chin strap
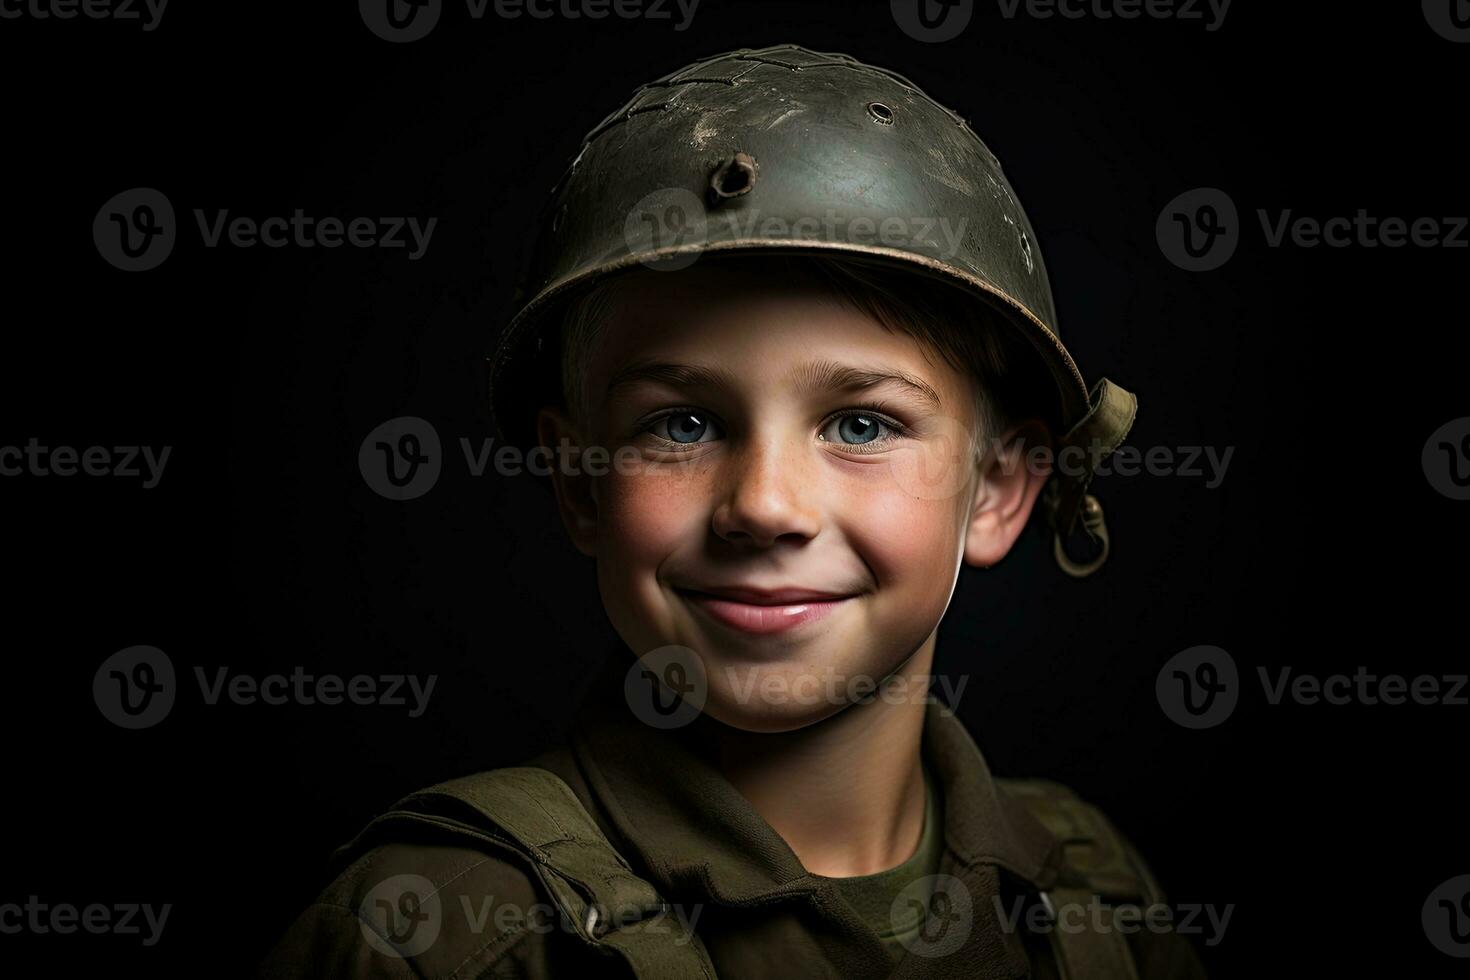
x: 1096, y: 435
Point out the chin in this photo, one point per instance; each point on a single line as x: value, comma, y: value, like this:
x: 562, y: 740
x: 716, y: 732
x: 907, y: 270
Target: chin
x: 766, y: 719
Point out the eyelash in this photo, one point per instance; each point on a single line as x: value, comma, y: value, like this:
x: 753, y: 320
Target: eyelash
x: 897, y: 429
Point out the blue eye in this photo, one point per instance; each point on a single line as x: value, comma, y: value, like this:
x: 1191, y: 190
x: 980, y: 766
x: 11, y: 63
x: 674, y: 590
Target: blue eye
x: 685, y: 427
x: 860, y: 428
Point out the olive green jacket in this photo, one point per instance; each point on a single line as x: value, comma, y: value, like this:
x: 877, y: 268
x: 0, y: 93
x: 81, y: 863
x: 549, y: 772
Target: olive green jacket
x: 733, y: 894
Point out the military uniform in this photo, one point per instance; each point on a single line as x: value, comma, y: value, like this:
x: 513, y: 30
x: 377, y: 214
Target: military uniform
x: 656, y: 841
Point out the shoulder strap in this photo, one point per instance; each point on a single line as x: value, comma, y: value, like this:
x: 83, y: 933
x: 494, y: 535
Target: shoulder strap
x: 1098, y: 863
x: 535, y: 813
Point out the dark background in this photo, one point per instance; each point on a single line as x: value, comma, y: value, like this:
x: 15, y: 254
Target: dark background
x: 262, y: 548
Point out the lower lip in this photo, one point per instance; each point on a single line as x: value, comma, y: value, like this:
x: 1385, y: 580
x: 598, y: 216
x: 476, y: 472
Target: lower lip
x: 751, y: 618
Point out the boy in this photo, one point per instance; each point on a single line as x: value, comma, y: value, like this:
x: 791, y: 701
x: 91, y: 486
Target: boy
x: 804, y: 350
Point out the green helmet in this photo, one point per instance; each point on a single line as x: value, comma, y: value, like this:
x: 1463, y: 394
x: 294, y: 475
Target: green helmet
x: 787, y: 150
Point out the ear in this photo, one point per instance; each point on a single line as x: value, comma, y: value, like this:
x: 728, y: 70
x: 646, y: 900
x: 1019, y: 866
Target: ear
x: 576, y: 496
x: 1011, y: 478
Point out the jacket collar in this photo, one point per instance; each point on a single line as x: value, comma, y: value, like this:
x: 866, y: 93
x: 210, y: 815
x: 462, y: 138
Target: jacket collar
x: 699, y: 839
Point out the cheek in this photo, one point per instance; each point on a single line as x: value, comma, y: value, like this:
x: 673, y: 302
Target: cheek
x: 910, y: 542
x: 644, y: 518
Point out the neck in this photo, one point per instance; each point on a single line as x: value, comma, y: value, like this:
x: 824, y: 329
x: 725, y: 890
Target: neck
x: 847, y: 793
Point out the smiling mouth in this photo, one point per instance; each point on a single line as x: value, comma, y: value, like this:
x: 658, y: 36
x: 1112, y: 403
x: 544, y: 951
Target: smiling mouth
x: 752, y: 612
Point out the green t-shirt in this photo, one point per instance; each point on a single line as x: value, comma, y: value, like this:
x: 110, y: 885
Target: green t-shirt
x: 873, y: 896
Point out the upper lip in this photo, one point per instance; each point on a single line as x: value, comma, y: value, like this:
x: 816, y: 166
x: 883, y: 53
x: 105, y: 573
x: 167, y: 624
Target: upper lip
x: 765, y: 597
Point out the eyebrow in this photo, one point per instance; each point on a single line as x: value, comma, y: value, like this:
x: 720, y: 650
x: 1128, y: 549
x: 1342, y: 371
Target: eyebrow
x: 822, y: 375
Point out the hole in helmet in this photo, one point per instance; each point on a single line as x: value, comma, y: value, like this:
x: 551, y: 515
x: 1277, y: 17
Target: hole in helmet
x: 881, y: 113
x: 734, y: 180
x: 734, y: 177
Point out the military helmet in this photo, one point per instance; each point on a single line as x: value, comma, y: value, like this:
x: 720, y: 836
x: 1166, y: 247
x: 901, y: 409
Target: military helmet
x: 787, y: 150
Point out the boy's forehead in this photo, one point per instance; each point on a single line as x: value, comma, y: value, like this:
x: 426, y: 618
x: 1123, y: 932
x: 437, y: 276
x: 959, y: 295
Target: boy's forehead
x: 738, y: 324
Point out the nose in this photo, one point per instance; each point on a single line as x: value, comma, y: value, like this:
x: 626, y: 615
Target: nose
x: 769, y: 493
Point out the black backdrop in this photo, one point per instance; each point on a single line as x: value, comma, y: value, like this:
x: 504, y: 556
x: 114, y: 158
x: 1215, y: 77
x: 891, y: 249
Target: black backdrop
x: 262, y: 549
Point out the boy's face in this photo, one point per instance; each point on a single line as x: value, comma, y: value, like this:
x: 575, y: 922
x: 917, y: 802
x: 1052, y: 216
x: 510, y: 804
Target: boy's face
x: 742, y: 458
